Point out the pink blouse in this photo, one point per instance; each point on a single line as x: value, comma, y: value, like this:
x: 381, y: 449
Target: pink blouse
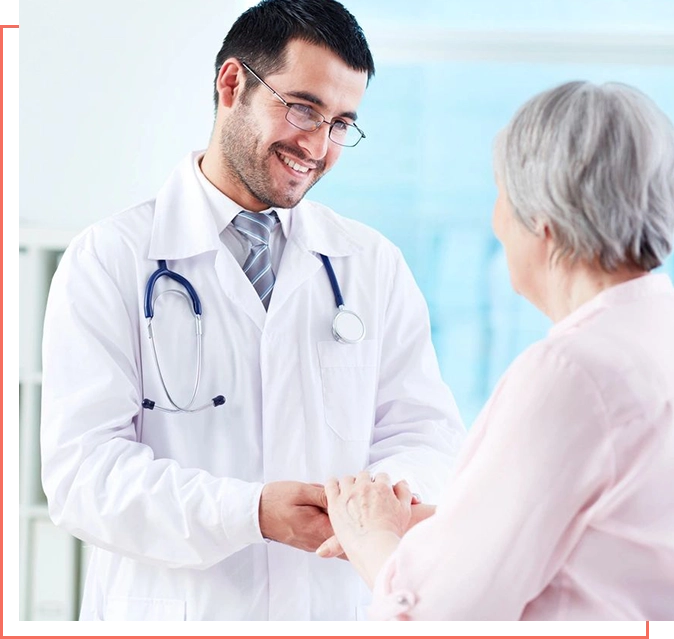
x: 562, y: 505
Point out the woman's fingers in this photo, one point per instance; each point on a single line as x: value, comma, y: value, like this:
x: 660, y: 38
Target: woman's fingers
x: 346, y: 482
x: 382, y: 478
x: 363, y: 477
x: 331, y: 490
x: 334, y: 487
x: 402, y: 492
x: 329, y: 548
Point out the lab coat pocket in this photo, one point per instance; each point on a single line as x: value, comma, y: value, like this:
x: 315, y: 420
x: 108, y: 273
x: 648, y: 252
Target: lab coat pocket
x: 349, y: 374
x: 137, y: 609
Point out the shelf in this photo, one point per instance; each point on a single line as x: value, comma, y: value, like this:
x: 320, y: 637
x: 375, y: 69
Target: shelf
x: 50, y: 559
x: 34, y: 511
x: 30, y: 377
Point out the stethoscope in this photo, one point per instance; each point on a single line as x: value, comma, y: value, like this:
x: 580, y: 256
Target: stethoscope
x: 347, y: 328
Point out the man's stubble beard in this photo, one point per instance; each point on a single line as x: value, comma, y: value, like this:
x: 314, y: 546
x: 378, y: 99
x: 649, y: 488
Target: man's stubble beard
x: 242, y: 163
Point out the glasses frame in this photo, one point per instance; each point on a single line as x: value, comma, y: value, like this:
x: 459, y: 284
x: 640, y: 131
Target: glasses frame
x: 317, y: 124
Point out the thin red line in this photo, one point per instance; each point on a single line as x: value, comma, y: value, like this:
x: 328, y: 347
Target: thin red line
x: 3, y: 292
x: 245, y: 635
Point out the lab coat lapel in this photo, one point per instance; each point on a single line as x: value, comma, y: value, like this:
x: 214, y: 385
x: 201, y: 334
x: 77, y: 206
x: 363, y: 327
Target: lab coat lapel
x: 297, y: 266
x: 313, y: 230
x: 237, y: 287
x: 183, y: 224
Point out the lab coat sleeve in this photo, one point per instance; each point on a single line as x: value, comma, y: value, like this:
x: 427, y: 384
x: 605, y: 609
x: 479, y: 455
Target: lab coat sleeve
x: 103, y: 485
x: 418, y: 431
x: 535, y: 464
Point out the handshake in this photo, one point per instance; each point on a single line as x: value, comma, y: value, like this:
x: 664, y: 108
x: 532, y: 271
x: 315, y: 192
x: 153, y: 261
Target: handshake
x: 296, y: 514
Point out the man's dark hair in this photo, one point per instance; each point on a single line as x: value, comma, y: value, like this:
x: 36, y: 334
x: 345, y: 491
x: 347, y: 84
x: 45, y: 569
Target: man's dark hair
x: 260, y: 35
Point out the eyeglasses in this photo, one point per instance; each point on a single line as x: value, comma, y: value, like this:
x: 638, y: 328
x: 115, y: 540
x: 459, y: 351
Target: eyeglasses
x: 306, y: 118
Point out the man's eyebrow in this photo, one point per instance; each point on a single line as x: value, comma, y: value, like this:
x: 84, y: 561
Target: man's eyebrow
x: 310, y: 97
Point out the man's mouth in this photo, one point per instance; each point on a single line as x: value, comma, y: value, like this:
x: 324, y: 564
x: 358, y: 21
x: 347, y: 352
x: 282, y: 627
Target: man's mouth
x: 292, y: 163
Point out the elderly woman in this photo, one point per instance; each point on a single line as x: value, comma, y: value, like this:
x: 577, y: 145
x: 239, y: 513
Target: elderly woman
x: 562, y: 505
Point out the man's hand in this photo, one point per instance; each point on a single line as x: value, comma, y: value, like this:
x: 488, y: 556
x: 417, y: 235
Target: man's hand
x: 293, y: 513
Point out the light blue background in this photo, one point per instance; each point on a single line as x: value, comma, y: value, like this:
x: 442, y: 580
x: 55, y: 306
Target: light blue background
x: 517, y: 15
x: 120, y: 118
x: 424, y: 174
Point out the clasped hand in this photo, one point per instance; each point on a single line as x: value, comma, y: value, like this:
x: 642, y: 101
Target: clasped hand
x: 362, y: 505
x: 296, y: 514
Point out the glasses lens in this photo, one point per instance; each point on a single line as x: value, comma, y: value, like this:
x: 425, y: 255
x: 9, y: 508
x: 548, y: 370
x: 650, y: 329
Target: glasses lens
x: 304, y: 117
x: 344, y: 134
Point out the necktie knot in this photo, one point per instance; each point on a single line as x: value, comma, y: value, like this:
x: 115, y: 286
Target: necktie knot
x: 256, y: 227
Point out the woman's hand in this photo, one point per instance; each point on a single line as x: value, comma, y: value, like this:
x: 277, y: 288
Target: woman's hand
x: 331, y: 548
x: 368, y: 516
x: 362, y: 504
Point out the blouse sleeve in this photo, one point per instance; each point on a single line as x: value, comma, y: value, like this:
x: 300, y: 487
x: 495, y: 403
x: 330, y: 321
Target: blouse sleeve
x: 534, y: 463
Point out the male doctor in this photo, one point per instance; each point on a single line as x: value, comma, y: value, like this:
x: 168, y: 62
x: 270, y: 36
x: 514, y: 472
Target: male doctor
x: 193, y: 471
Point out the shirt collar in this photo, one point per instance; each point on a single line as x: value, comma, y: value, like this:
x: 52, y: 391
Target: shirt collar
x: 649, y: 285
x: 190, y: 213
x: 224, y: 209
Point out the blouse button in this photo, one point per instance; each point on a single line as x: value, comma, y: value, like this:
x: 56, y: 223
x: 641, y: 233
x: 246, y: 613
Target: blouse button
x: 404, y: 600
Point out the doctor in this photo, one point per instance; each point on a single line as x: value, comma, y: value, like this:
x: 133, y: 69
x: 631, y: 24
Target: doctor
x: 198, y: 389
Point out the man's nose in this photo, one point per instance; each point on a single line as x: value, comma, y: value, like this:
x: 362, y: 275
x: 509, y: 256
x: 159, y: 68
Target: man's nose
x: 316, y: 143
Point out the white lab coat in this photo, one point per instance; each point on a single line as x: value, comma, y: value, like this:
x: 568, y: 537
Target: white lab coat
x: 168, y: 502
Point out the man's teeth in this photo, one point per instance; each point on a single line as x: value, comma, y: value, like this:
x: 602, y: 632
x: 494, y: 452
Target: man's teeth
x: 294, y: 165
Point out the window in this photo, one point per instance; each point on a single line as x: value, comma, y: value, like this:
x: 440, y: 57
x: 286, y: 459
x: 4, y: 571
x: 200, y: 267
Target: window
x: 424, y: 174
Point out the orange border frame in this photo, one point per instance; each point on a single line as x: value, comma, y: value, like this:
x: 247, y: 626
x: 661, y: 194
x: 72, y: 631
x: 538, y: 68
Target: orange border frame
x: 3, y: 287
x: 6, y: 28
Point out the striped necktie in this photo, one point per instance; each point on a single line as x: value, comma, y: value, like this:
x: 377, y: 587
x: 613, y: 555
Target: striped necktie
x: 257, y: 228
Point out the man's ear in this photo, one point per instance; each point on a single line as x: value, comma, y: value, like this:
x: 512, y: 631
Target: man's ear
x: 230, y: 82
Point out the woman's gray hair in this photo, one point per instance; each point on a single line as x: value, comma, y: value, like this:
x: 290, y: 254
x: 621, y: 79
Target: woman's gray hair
x: 597, y: 164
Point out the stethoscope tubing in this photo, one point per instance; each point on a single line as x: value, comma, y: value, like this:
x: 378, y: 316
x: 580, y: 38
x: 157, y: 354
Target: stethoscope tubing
x: 164, y: 271
x: 193, y: 298
x: 339, y: 300
x: 344, y: 317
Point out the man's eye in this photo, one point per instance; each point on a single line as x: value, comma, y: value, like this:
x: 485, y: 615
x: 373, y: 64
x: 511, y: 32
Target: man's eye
x: 340, y: 125
x: 303, y: 110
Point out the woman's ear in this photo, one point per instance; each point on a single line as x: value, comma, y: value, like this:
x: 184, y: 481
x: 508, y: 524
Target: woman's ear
x: 542, y: 228
x: 546, y: 234
x: 546, y: 230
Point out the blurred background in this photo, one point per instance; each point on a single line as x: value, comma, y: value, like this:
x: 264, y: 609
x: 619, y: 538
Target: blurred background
x: 113, y: 95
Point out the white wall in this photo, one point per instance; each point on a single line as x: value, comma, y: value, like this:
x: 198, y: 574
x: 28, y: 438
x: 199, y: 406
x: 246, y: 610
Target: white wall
x: 113, y: 94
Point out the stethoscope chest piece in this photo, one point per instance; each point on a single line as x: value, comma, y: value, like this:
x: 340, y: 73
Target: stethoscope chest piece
x: 347, y: 327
